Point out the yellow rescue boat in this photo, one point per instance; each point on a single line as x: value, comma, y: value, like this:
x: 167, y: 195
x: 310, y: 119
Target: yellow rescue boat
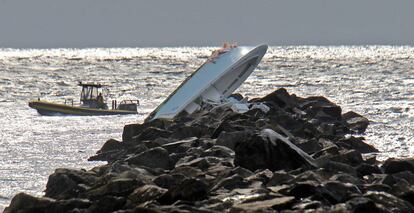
x: 91, y: 103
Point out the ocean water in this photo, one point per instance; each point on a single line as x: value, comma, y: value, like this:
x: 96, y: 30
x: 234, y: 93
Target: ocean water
x: 375, y: 81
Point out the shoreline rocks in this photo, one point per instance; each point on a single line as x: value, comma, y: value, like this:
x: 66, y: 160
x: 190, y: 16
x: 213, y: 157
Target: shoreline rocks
x: 290, y: 154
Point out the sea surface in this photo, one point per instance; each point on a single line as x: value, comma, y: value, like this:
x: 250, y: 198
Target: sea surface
x: 375, y: 81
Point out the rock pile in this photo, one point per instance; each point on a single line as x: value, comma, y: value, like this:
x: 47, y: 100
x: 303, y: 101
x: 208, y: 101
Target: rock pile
x: 299, y: 156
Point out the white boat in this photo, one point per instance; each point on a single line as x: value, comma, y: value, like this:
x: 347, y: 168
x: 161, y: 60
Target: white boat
x: 214, y: 81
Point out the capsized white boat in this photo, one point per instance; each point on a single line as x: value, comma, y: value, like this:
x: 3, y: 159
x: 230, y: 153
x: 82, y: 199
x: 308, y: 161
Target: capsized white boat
x: 214, y: 81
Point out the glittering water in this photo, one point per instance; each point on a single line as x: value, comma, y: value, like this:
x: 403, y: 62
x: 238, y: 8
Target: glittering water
x: 376, y: 81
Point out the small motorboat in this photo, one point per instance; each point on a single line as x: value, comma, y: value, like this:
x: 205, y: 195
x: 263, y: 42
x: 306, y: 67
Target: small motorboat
x: 92, y: 102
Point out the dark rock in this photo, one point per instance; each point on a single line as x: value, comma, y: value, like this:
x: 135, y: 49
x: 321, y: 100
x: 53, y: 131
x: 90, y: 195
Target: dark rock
x: 337, y: 167
x: 111, y: 145
x: 26, y: 203
x: 385, y: 179
x: 408, y: 196
x: 346, y: 178
x: 393, y: 165
x: 242, y: 172
x: 187, y: 190
x: 66, y: 183
x: 154, y: 158
x: 230, y: 183
x: 146, y: 193
x: 356, y: 122
x: 310, y: 146
x: 337, y: 192
x: 362, y: 205
x: 277, y: 203
x: 367, y: 169
x: 269, y: 150
x: 117, y: 187
x: 307, y: 176
x: 132, y: 130
x: 152, y: 133
x: 184, y: 132
x: 349, y: 157
x: 301, y: 189
x: 187, y: 171
x: 280, y: 97
x: 356, y: 143
x: 226, y: 126
x: 107, y: 204
x: 405, y: 175
x: 167, y: 181
x: 229, y: 139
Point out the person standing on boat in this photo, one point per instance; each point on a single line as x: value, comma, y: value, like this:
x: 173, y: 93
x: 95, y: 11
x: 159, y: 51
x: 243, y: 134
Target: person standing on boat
x: 101, y: 104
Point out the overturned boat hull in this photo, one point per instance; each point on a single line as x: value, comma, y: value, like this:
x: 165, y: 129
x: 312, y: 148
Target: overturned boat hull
x: 51, y: 109
x: 215, y: 80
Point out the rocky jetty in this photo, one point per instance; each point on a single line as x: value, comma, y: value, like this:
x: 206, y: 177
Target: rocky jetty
x: 286, y: 154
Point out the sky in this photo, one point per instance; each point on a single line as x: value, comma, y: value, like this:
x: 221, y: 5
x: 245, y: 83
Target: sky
x: 158, y: 23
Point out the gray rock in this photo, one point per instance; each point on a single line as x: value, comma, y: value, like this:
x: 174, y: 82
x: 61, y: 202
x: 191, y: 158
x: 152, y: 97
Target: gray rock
x: 389, y: 201
x: 356, y: 122
x: 179, y: 146
x: 218, y: 151
x: 346, y: 178
x: 278, y: 178
x: 201, y: 163
x: 242, y: 172
x: 154, y: 158
x: 277, y: 203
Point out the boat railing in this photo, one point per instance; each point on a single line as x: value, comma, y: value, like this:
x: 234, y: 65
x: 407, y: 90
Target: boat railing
x: 69, y: 101
x: 130, y: 102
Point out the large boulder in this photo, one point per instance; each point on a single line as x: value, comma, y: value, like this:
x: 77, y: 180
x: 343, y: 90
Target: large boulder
x: 356, y: 122
x: 188, y: 190
x: 66, y: 183
x: 26, y: 203
x: 277, y: 203
x: 154, y: 158
x: 270, y: 150
x: 393, y: 165
x: 280, y: 97
x: 146, y: 193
